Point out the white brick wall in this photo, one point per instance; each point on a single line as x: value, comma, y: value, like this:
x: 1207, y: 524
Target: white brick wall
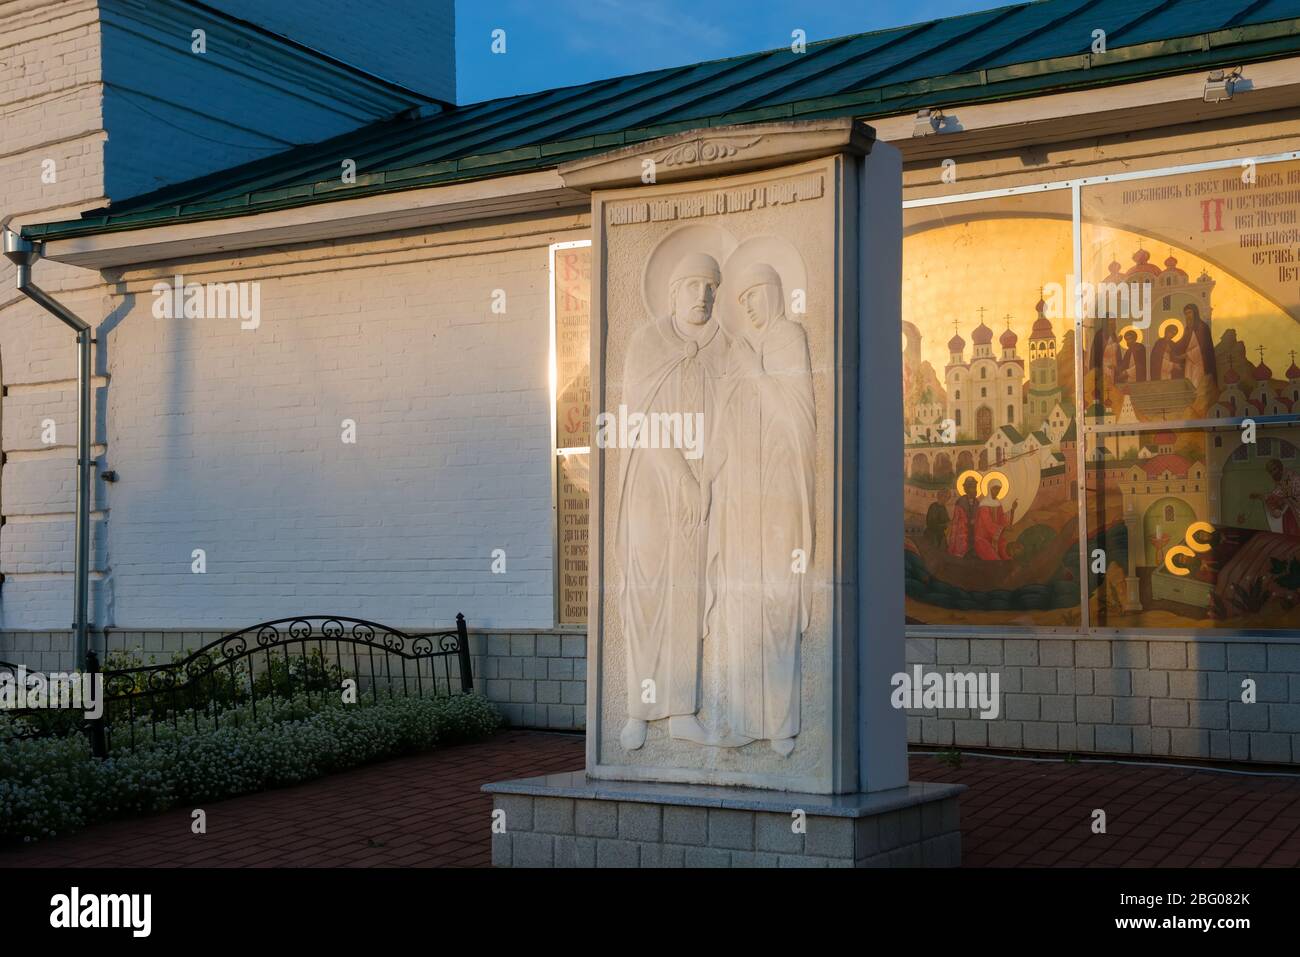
x: 50, y: 95
x: 35, y: 546
x: 229, y: 440
x: 43, y: 484
x: 27, y: 410
x: 44, y: 601
x: 110, y: 90
x: 49, y: 106
x: 38, y: 350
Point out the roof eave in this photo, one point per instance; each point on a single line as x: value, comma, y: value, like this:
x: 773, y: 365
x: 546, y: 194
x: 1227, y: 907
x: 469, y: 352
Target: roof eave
x: 1124, y: 65
x: 529, y: 193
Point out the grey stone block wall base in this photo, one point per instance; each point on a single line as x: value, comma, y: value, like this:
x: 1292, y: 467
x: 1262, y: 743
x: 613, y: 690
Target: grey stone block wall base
x: 567, y: 820
x: 1173, y: 699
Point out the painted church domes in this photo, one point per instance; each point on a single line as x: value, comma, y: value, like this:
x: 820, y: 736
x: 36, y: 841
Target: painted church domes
x: 1042, y: 325
x: 1142, y: 264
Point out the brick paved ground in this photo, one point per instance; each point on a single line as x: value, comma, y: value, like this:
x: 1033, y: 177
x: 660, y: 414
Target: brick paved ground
x: 424, y: 811
x: 427, y: 811
x: 1027, y: 813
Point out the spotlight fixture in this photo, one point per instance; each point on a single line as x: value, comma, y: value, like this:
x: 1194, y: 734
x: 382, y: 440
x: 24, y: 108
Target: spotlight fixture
x: 927, y: 122
x: 1219, y: 86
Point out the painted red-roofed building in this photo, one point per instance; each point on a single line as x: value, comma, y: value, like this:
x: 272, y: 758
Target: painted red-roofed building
x: 1168, y: 464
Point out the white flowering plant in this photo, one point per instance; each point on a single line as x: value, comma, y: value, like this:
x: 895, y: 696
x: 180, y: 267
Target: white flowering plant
x: 50, y: 786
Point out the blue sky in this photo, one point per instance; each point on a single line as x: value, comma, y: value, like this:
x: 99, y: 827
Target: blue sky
x: 561, y: 42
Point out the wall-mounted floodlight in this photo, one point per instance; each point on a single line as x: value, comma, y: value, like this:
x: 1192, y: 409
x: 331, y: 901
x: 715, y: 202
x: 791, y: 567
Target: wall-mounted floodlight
x: 927, y: 122
x: 1220, y: 84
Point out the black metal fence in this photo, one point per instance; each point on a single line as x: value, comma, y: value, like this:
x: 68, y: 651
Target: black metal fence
x: 14, y: 677
x: 269, y: 665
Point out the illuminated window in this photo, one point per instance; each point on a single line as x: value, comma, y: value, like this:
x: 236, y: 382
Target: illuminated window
x: 1218, y: 344
x: 571, y: 424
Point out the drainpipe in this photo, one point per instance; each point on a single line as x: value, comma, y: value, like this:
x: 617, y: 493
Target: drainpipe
x: 22, y: 253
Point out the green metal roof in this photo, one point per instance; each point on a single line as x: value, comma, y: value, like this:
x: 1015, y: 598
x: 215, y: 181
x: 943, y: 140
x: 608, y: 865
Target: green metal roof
x: 1009, y: 52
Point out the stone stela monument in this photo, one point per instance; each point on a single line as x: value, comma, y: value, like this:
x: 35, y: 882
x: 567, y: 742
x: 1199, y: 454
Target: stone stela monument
x: 746, y: 605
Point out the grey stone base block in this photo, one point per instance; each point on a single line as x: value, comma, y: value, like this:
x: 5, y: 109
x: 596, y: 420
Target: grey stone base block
x: 568, y: 820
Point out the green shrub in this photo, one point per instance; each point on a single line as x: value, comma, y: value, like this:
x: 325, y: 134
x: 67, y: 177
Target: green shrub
x: 51, y: 786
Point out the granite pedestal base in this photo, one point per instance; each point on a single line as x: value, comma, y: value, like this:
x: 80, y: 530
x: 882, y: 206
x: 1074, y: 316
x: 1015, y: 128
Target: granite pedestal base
x: 568, y: 820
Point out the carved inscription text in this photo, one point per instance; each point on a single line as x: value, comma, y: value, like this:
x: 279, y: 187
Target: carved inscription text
x: 716, y: 202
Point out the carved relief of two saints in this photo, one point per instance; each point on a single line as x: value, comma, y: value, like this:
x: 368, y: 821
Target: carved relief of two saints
x: 715, y: 542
